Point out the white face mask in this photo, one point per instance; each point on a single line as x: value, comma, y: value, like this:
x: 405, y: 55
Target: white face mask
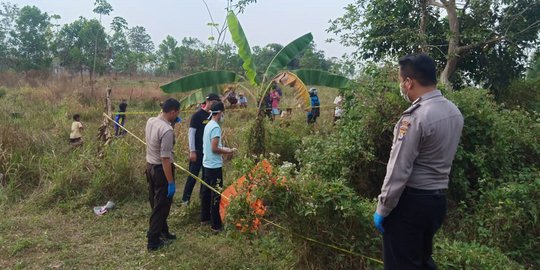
x: 220, y: 118
x: 404, y: 93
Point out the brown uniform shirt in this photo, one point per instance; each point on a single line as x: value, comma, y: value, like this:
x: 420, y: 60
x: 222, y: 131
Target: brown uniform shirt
x: 159, y: 140
x: 425, y: 143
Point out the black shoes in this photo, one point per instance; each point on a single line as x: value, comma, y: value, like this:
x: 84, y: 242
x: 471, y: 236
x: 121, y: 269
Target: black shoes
x: 164, y: 239
x: 155, y: 246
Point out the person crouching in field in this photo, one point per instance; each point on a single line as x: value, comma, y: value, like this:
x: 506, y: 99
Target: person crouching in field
x: 75, y: 137
x: 160, y: 172
x: 212, y: 166
x: 242, y: 99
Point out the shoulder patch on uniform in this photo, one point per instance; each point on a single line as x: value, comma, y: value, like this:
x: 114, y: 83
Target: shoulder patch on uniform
x: 205, y: 121
x: 412, y: 108
x: 403, y: 128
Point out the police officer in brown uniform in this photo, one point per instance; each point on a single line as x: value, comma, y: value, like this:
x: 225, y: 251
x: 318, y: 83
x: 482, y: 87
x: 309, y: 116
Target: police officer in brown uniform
x: 160, y: 172
x: 412, y: 203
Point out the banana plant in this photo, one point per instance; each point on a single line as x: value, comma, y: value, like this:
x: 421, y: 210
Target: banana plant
x: 203, y: 83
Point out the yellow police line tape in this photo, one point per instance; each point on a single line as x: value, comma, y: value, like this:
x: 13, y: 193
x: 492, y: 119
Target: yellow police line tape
x: 264, y: 219
x: 237, y: 109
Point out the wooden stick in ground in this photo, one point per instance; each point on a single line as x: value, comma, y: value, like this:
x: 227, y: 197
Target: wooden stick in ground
x: 104, y: 133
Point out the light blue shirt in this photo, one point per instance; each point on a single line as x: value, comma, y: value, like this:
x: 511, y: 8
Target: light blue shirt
x: 211, y: 160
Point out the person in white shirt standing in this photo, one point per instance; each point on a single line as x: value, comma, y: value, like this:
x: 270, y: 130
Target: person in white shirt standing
x: 338, y: 112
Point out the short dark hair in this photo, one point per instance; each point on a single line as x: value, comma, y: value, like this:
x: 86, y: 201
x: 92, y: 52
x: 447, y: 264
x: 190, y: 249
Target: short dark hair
x: 218, y: 106
x: 213, y: 96
x: 76, y: 117
x: 420, y: 67
x: 170, y: 104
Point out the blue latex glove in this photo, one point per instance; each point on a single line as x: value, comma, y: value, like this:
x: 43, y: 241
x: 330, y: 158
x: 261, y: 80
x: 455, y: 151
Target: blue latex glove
x: 378, y: 220
x: 171, y: 189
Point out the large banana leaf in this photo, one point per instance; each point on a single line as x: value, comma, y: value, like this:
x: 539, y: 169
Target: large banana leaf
x: 239, y: 38
x: 198, y: 96
x: 287, y: 54
x: 290, y: 79
x: 199, y: 80
x: 322, y: 78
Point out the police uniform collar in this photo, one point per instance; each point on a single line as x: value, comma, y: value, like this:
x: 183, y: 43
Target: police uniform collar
x: 428, y: 95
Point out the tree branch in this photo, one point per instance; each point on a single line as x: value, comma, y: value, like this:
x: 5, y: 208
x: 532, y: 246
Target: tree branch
x: 211, y: 18
x: 495, y: 39
x: 465, y: 6
x: 469, y: 47
x: 436, y: 3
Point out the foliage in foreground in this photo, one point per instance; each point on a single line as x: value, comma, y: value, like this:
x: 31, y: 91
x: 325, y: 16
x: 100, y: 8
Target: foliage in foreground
x: 332, y: 213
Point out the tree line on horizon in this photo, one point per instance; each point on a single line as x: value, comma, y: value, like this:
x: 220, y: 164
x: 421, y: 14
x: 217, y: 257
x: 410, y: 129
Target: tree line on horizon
x: 30, y: 40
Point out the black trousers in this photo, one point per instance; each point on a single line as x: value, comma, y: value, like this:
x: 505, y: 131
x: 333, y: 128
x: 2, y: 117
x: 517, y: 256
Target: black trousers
x: 409, y: 230
x: 194, y: 168
x: 210, y: 200
x: 120, y: 119
x: 160, y: 204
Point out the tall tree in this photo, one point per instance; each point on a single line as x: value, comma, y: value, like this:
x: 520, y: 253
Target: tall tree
x: 168, y: 56
x: 122, y: 58
x: 75, y: 45
x: 263, y: 56
x: 32, y: 39
x: 344, y: 66
x: 101, y: 7
x: 191, y: 51
x: 8, y: 14
x: 141, y: 46
x: 314, y: 59
x: 474, y: 38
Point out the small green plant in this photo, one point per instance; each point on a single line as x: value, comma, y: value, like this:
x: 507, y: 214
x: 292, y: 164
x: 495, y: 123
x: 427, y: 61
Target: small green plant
x: 3, y: 92
x: 451, y: 254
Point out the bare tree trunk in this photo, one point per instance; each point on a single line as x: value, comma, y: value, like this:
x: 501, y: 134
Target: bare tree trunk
x: 422, y: 28
x: 453, y: 44
x: 103, y: 132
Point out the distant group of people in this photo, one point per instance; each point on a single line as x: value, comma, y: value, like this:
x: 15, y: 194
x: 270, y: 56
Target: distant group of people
x: 271, y: 101
x: 235, y: 100
x: 273, y: 98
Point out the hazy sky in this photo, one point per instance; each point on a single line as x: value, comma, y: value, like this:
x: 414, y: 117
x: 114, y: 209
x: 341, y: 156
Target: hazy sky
x: 268, y: 21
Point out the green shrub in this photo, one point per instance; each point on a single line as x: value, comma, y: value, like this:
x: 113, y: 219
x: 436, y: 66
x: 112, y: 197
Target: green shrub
x: 506, y: 217
x: 283, y: 141
x: 328, y: 211
x: 360, y: 148
x: 522, y: 93
x: 496, y: 143
x: 449, y: 254
x: 3, y: 92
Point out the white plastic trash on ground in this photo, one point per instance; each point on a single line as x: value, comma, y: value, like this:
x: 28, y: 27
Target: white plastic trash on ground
x: 100, y: 210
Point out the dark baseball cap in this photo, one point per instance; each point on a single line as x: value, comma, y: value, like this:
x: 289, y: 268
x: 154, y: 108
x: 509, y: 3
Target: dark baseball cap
x: 213, y: 96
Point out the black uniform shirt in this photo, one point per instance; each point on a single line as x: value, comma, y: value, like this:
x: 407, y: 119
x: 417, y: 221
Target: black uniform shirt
x: 198, y: 121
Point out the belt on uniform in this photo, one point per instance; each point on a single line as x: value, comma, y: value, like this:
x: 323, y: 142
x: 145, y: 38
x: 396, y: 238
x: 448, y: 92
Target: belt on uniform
x: 417, y: 191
